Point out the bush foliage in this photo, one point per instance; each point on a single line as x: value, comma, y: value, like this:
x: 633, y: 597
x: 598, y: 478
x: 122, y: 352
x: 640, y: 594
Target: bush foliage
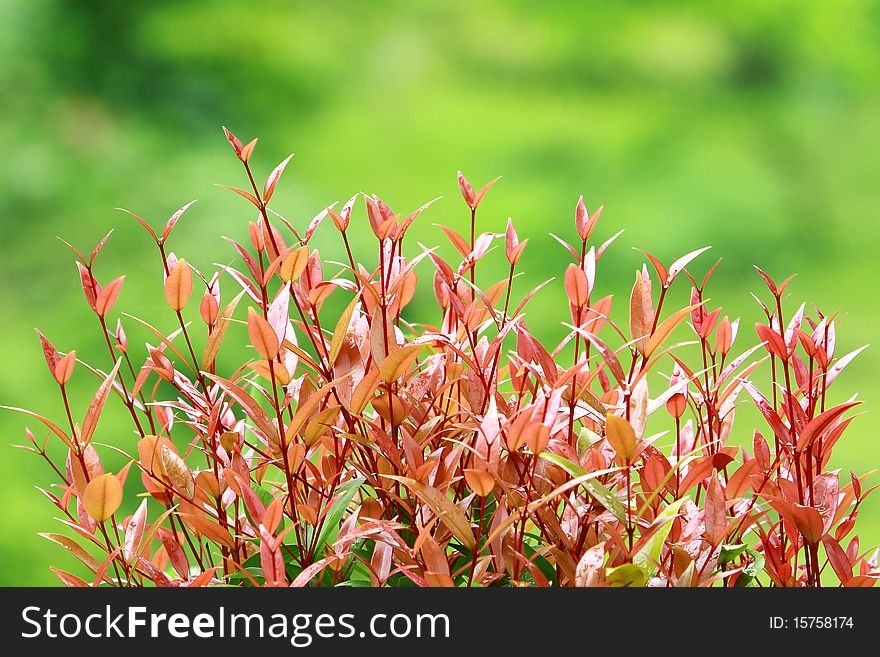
x: 360, y: 448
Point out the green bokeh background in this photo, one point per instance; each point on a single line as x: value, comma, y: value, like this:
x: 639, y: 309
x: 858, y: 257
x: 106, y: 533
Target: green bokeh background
x: 753, y: 126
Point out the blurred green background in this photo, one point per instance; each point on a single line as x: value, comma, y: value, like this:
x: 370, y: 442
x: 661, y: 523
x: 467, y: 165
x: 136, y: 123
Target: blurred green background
x: 753, y: 126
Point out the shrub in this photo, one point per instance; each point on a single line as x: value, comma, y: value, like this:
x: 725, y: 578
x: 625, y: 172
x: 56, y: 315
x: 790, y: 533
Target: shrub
x: 363, y: 449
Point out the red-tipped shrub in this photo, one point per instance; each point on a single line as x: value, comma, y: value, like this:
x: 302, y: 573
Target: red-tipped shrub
x: 364, y: 449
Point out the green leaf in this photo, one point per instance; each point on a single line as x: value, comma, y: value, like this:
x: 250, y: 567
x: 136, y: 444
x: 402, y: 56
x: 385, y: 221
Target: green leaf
x: 450, y: 514
x: 330, y: 526
x: 731, y: 552
x: 628, y: 574
x: 586, y: 439
x: 749, y: 575
x: 542, y: 563
x: 596, y: 490
x: 648, y: 558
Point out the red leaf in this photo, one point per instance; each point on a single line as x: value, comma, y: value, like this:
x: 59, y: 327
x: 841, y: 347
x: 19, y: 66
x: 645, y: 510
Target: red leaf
x: 767, y: 411
x: 791, y: 332
x: 775, y: 343
x: 49, y: 352
x: 715, y: 514
x: 169, y: 225
x: 584, y: 222
x: 134, y: 531
x: 142, y: 223
x: 809, y: 522
x: 98, y: 248
x: 838, y: 559
x: 662, y: 274
x: 272, y: 180
x: 767, y: 280
x: 234, y: 141
x: 482, y: 192
x: 511, y: 239
x: 821, y: 423
x: 467, y: 190
x: 90, y: 422
x: 683, y: 262
x: 64, y: 368
x: 250, y: 197
x: 89, y: 285
x: 107, y: 297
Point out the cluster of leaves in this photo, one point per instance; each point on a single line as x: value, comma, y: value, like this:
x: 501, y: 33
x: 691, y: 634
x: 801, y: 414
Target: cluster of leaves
x: 381, y: 452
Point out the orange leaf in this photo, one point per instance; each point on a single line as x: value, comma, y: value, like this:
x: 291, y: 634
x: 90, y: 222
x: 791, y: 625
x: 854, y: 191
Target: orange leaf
x: 64, y: 368
x: 294, y: 264
x: 273, y: 515
x: 102, y: 497
x: 178, y: 473
x: 262, y: 335
x: 263, y: 368
x: 250, y: 197
x: 621, y: 436
x: 576, y: 285
x: 480, y: 481
x: 178, y: 286
x: 398, y: 362
x: 70, y: 581
x: 248, y: 150
x: 107, y: 297
x: 663, y: 331
x: 212, y: 346
x: 457, y: 241
x: 305, y: 408
x: 444, y: 508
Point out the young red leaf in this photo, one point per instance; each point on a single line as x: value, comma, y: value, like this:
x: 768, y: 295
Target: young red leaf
x: 90, y: 286
x: 90, y: 422
x: 134, y: 531
x: 584, y: 222
x: 467, y: 190
x: 64, y: 368
x: 272, y: 180
x: 234, y: 141
x: 809, y: 523
x: 107, y: 297
x: 49, y: 352
x: 172, y: 222
x: 641, y: 310
x: 479, y: 197
x: 683, y: 262
x: 248, y: 150
x: 250, y: 197
x: 715, y: 514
